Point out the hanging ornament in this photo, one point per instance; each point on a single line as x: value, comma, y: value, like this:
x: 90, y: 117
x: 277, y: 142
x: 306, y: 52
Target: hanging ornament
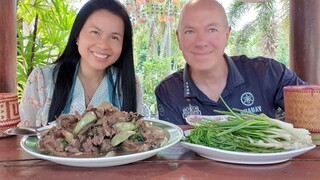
x: 169, y: 18
x: 142, y: 20
x: 253, y: 0
x: 162, y: 18
x: 129, y: 7
x: 142, y: 2
x: 176, y: 2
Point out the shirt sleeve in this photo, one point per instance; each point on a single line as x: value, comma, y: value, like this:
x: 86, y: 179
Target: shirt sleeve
x: 32, y: 101
x: 166, y: 109
x: 285, y: 77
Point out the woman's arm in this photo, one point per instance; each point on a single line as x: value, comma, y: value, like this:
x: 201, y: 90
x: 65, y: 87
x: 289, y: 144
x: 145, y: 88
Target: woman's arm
x: 33, y: 99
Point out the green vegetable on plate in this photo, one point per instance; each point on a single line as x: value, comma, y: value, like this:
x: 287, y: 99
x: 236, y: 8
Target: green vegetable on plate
x: 248, y: 132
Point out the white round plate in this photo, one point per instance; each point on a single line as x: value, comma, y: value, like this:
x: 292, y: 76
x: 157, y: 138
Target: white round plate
x: 195, y: 119
x: 29, y: 145
x: 242, y: 157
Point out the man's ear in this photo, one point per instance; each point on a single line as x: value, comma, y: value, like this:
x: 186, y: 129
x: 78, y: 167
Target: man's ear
x: 228, y: 31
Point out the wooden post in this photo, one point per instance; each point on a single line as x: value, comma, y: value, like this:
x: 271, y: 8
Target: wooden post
x: 305, y: 39
x: 8, y: 45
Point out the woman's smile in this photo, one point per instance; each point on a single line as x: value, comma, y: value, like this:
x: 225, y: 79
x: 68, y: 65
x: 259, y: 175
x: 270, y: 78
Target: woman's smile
x: 99, y: 55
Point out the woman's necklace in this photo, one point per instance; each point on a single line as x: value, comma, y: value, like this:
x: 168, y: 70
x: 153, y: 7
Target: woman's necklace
x: 89, y: 92
x: 87, y: 99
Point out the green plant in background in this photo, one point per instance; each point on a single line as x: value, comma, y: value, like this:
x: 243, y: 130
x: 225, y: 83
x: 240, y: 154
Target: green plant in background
x: 42, y: 30
x: 266, y: 35
x: 153, y: 73
x: 152, y: 69
x: 155, y: 48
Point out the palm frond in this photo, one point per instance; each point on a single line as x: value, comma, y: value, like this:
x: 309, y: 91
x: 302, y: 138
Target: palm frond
x: 262, y: 33
x: 236, y: 11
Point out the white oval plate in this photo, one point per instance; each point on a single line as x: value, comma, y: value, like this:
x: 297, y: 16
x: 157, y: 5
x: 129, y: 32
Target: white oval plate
x: 242, y: 157
x: 195, y: 119
x: 29, y: 145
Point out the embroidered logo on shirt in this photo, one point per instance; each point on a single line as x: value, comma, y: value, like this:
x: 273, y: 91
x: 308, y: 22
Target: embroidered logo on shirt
x: 160, y: 109
x: 256, y: 109
x: 190, y: 110
x: 247, y: 99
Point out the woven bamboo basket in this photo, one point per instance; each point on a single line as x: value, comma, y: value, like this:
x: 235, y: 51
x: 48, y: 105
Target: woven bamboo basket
x: 9, y: 113
x: 302, y: 106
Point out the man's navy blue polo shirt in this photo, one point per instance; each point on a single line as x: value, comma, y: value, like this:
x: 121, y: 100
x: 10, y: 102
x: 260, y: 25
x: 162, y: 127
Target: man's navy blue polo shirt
x: 253, y: 84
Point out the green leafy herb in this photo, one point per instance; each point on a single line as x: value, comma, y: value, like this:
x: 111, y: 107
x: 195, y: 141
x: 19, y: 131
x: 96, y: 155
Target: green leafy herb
x: 248, y: 132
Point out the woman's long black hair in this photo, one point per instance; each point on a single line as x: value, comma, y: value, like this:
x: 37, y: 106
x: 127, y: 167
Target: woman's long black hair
x: 64, y: 70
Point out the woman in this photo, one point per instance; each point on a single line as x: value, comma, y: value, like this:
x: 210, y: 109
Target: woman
x: 96, y: 66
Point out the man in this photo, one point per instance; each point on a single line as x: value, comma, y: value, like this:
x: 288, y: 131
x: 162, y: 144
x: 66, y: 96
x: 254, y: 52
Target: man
x: 251, y: 84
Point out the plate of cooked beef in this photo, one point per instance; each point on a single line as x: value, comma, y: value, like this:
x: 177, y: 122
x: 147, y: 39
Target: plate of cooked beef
x: 101, y: 137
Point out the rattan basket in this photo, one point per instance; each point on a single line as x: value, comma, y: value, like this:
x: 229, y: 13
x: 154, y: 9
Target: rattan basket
x: 9, y: 113
x: 302, y: 106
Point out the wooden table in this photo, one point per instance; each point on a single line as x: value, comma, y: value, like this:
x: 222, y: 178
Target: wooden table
x: 175, y: 162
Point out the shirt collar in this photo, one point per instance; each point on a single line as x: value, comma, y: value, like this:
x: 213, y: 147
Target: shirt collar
x: 234, y: 79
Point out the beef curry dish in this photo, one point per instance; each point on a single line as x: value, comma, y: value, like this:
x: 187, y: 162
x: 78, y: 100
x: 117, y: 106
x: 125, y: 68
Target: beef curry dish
x: 101, y: 131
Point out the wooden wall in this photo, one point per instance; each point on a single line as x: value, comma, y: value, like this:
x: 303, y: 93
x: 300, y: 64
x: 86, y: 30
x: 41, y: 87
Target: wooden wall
x: 8, y: 52
x: 305, y: 39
